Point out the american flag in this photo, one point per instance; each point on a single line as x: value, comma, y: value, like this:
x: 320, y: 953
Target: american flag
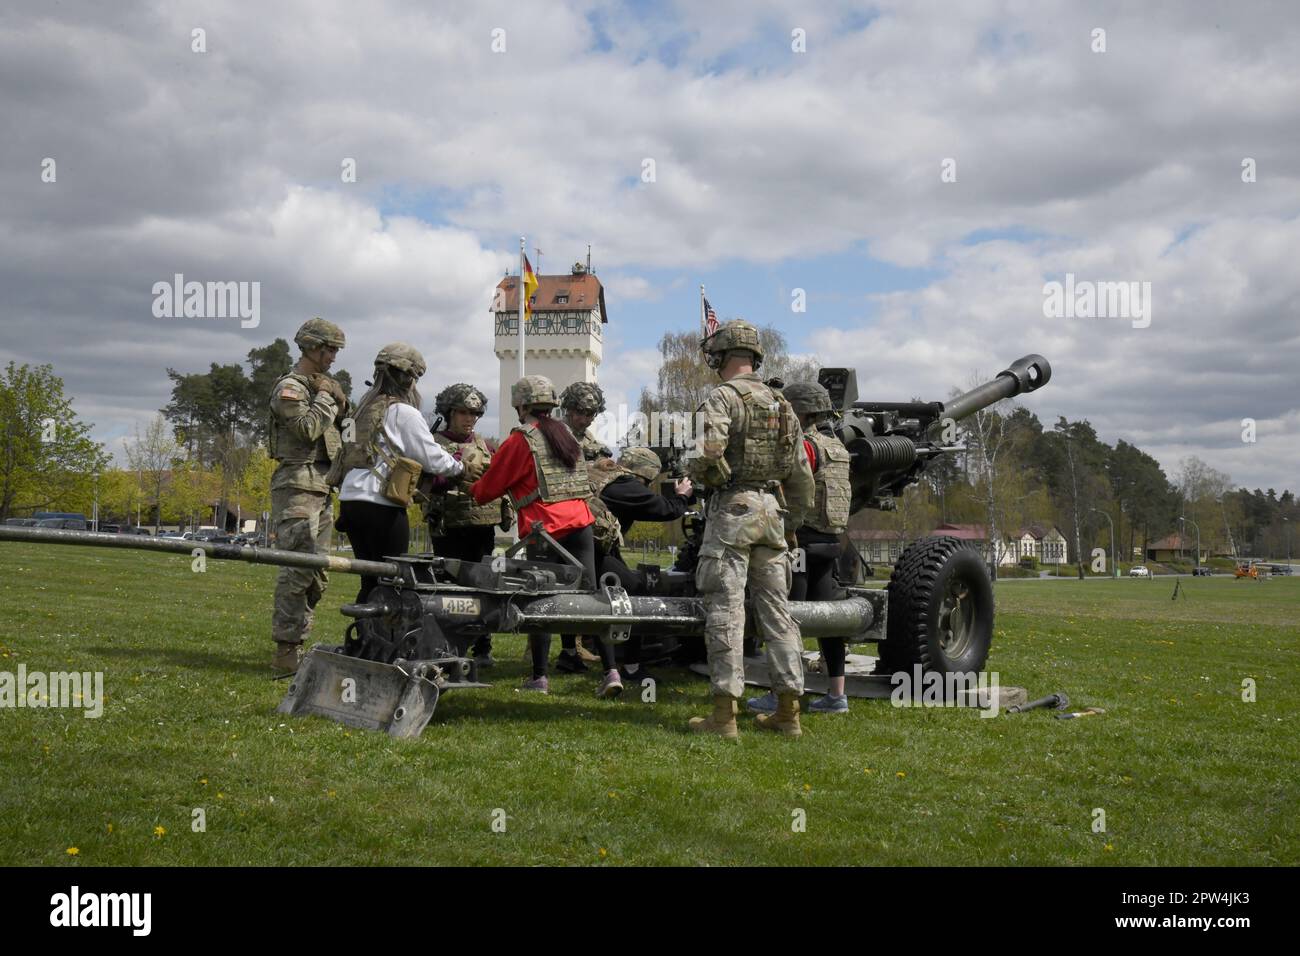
x: 710, y: 317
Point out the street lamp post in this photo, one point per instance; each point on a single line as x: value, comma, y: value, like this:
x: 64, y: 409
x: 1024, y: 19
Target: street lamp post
x: 1114, y: 558
x: 1288, y: 539
x: 1198, y: 539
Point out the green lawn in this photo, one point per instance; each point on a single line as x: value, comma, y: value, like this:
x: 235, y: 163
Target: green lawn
x: 1186, y: 772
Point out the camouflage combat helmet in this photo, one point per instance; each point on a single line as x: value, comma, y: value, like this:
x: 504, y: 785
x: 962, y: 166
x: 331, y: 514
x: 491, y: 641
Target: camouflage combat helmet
x: 533, y: 390
x: 735, y: 334
x: 642, y: 462
x: 317, y: 332
x: 583, y: 397
x: 460, y: 395
x: 808, y: 398
x: 403, y: 357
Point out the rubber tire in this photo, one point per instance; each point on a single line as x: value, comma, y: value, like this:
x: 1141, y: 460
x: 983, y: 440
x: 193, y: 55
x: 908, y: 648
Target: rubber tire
x: 916, y: 590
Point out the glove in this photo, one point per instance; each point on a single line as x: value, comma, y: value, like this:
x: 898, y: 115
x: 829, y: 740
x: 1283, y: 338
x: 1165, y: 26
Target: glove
x: 323, y: 383
x: 507, y: 515
x: 474, y: 463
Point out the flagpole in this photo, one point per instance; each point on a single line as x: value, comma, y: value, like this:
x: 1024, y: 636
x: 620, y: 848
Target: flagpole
x: 522, y: 292
x: 704, y: 321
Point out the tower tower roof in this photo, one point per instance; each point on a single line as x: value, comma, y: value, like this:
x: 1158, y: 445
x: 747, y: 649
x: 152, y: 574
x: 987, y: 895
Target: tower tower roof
x: 576, y: 292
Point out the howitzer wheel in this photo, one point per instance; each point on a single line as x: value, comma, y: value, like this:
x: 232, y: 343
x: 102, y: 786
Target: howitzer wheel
x: 940, y: 609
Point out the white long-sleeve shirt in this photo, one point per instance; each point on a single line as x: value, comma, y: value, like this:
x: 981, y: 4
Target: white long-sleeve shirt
x: 405, y: 434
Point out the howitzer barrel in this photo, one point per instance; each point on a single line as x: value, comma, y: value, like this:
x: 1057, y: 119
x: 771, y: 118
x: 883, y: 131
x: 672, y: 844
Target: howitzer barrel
x: 1026, y: 374
x: 674, y: 616
x: 225, y: 552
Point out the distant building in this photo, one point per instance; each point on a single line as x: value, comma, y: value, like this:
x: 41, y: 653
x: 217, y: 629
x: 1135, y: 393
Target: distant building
x: 1045, y: 545
x: 877, y: 546
x: 1174, y: 547
x: 563, y: 338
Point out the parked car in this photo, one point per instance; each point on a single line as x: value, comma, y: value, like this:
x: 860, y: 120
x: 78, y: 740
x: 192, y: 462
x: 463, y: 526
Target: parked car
x: 21, y: 522
x: 62, y: 524
x: 1139, y: 571
x: 110, y: 529
x: 1201, y: 572
x: 136, y: 529
x: 1281, y: 568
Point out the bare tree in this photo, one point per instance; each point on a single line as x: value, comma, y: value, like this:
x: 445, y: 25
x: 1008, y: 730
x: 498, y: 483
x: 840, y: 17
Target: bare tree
x: 150, y: 457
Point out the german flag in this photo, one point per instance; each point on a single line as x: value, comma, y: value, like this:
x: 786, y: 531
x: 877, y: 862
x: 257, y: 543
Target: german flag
x: 530, y: 287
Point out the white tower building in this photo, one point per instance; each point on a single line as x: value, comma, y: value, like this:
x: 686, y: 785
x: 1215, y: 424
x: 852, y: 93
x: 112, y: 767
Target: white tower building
x: 562, y: 339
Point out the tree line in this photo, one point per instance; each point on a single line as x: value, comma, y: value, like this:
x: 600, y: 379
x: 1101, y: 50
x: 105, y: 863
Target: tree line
x: 207, y: 447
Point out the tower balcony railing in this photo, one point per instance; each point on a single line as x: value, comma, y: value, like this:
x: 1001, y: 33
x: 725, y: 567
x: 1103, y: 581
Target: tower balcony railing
x: 545, y: 325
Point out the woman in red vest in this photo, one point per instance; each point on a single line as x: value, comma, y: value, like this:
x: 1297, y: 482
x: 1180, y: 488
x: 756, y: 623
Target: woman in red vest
x: 540, y: 466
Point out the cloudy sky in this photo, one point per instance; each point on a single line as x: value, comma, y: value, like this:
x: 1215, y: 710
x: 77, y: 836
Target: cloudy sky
x: 795, y: 146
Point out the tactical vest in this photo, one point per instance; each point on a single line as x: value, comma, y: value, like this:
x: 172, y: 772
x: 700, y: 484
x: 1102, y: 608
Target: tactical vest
x: 362, y: 451
x: 298, y: 459
x: 830, y: 512
x: 459, y: 510
x: 607, y: 530
x: 554, y: 481
x: 767, y: 452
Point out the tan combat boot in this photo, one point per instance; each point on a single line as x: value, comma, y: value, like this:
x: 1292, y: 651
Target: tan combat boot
x: 786, y: 719
x: 287, y: 657
x: 721, y: 722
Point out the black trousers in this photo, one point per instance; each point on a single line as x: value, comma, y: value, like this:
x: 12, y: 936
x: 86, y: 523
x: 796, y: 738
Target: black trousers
x: 376, y: 532
x: 633, y: 582
x: 469, y: 543
x: 582, y: 546
x: 818, y: 582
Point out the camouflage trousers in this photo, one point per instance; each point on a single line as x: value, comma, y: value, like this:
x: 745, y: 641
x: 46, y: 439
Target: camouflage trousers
x: 300, y: 521
x: 744, y: 543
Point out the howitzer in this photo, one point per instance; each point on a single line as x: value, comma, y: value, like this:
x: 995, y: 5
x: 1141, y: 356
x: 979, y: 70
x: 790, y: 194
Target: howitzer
x: 408, y: 643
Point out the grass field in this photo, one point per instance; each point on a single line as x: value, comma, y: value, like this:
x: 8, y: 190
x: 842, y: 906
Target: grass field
x: 1184, y: 770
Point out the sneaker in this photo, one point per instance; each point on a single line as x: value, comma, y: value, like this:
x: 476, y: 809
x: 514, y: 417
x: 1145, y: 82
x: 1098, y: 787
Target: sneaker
x: 539, y: 684
x: 570, y: 663
x: 830, y: 704
x: 485, y: 660
x: 762, y: 705
x: 587, y: 649
x: 611, y: 686
x: 642, y: 672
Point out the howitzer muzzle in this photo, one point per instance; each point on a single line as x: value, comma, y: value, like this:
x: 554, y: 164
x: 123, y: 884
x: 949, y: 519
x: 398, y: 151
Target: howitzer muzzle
x: 1026, y: 374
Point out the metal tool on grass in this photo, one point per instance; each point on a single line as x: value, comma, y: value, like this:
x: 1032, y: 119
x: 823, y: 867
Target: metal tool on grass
x: 1055, y: 701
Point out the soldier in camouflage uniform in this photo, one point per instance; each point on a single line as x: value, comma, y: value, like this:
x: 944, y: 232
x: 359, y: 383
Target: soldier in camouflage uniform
x: 581, y: 402
x: 819, y: 536
x: 748, y: 454
x: 459, y: 527
x: 307, y: 407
